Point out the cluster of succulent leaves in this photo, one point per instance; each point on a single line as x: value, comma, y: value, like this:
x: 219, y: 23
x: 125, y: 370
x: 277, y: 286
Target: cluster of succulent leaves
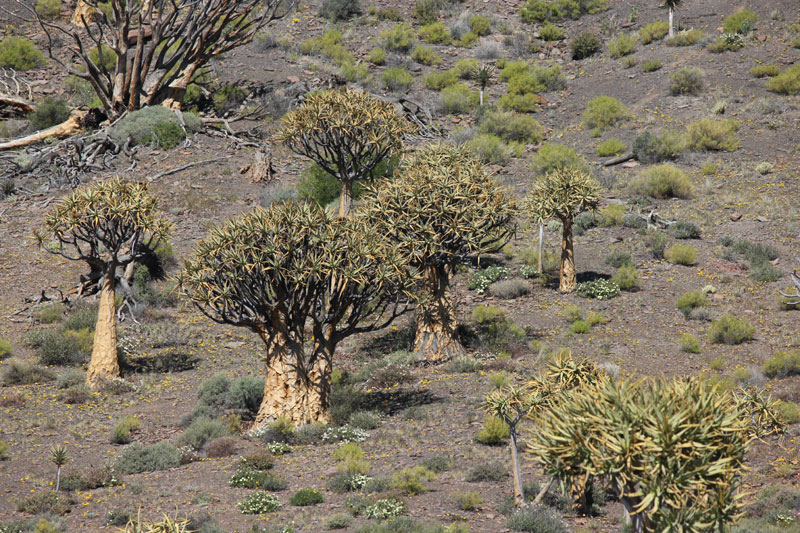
x: 563, y: 193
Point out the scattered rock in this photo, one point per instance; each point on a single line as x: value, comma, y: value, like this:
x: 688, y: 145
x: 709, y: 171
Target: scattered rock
x: 630, y: 164
x: 736, y: 216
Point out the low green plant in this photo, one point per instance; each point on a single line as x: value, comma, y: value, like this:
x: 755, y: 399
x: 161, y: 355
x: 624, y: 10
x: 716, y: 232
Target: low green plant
x: 783, y: 364
x: 727, y: 42
x: 4, y: 449
x: 713, y: 135
x: 338, y: 521
x: 425, y: 55
x: 511, y: 126
x: 467, y: 500
x: 600, y: 289
x: 459, y: 98
x: 622, y: 45
x: 49, y: 112
x: 742, y: 22
x: 427, y: 11
x: 492, y: 149
x: 690, y: 300
x: 651, y: 65
x: 305, y: 497
x: 688, y: 80
x: 481, y: 280
x: 655, y: 31
x: 354, y: 73
x: 202, y: 430
x: 248, y: 478
x: 579, y: 327
x: 626, y: 277
x: 551, y: 32
x: 398, y: 38
x: 259, y: 503
x: 438, y: 80
x: 136, y: 458
x: 689, y: 343
x: 411, y: 480
x: 397, y: 79
x: 610, y: 147
x: 681, y: 254
x: 154, y: 124
x: 731, y: 330
x: 435, y: 33
x: 45, y: 502
x: 467, y: 40
x: 604, y: 112
x: 492, y: 470
x: 20, y: 54
x: 493, y: 433
x: 685, y: 230
x: 121, y: 432
x: 536, y: 519
x: 6, y: 350
x: 585, y: 45
x: 663, y: 181
x: 49, y: 9
x: 480, y: 25
x: 788, y: 412
x: 686, y: 38
x: 655, y: 147
x: 339, y: 10
x: 17, y: 372
x: 787, y: 82
x: 377, y: 56
x: 552, y: 157
x: 330, y: 45
x: 384, y: 508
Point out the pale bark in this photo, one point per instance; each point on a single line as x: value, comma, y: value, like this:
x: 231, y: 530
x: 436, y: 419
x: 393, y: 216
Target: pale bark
x: 345, y: 198
x: 436, y: 338
x: 291, y: 391
x: 83, y: 11
x: 519, y: 495
x: 568, y: 280
x: 104, y: 364
x: 70, y: 127
x: 671, y: 27
x: 22, y: 105
x: 541, y: 247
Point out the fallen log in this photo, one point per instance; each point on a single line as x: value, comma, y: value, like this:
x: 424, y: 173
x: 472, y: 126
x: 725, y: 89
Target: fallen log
x: 617, y: 160
x: 22, y: 105
x: 72, y: 126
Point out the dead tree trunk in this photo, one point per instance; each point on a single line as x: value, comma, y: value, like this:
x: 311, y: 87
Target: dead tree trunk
x: 436, y: 338
x: 261, y: 170
x: 104, y: 364
x: 70, y: 127
x: 567, y: 278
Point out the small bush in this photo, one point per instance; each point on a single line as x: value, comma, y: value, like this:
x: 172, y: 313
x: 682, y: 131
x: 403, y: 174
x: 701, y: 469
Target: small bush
x: 64, y: 347
x: 259, y: 461
x: 44, y: 502
x: 365, y: 419
x: 510, y: 289
x: 259, y: 503
x: 482, y: 279
x: 491, y: 148
x: 398, y: 38
x: 604, y: 112
x: 377, y: 56
x: 337, y: 10
x: 49, y: 313
x: 6, y: 350
x: 663, y: 181
x: 4, y: 448
x: 610, y: 147
x: 653, y: 148
x: 464, y: 364
x: 467, y: 40
x: 435, y: 33
x: 20, y: 54
x: 551, y: 32
x: 579, y: 327
x: 612, y: 215
x: 634, y: 221
x: 154, y: 124
x: 425, y: 55
x: 626, y: 277
x: 121, y: 432
x: 687, y: 80
x: 601, y: 289
x: 651, y: 65
x: 493, y: 433
x: 555, y: 156
x: 787, y: 82
x: 585, y: 45
x: 783, y: 364
x: 621, y: 45
x: 708, y: 134
x: 220, y: 447
x: 655, y: 31
x: 731, y: 330
x: 492, y: 470
x: 727, y: 42
x: 685, y: 230
x: 427, y: 11
x: 49, y: 112
x: 459, y: 98
x: 136, y: 458
x: 741, y: 22
x: 480, y: 25
x: 354, y: 73
x: 305, y: 497
x: 467, y: 501
x: 411, y: 481
x: 385, y: 508
x: 537, y: 519
x: 49, y: 9
x: 338, y: 521
x: 397, y: 79
x: 18, y: 372
x: 689, y: 343
x: 248, y: 478
x: 788, y: 412
x: 681, y: 254
x: 438, y: 80
x: 685, y: 38
x: 688, y: 301
x: 512, y: 127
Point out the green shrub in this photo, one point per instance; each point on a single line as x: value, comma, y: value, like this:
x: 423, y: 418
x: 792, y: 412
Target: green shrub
x: 537, y: 519
x: 511, y: 126
x: 377, y: 56
x: 425, y: 55
x: 480, y: 25
x: 4, y: 448
x: 337, y: 10
x: 305, y: 497
x: 467, y: 40
x: 687, y: 80
x: 492, y: 470
x: 634, y: 221
x: 730, y: 330
x: 45, y: 502
x: 480, y: 281
x: 259, y: 503
x: 601, y: 289
x: 121, y: 432
x: 543, y: 10
x: 688, y: 301
x: 49, y: 313
x: 510, y: 289
x: 365, y: 419
x: 438, y: 80
x: 685, y: 38
x: 81, y: 317
x: 787, y: 82
x: 621, y: 45
x: 741, y: 22
x: 783, y: 364
x: 154, y: 124
x: 681, y: 254
x: 663, y: 181
x: 354, y: 73
x: 435, y: 33
x: 136, y: 458
x: 397, y: 79
x: 64, y: 347
x: 618, y: 257
x: 789, y: 413
x: 466, y: 68
x: 655, y: 31
x: 19, y: 53
x: 412, y: 480
x: 585, y: 45
x: 18, y: 372
x: 248, y: 478
x: 584, y: 222
x: 653, y: 148
x: 610, y: 147
x: 437, y: 464
x: 626, y: 277
x: 49, y: 9
x: 467, y: 501
x: 604, y: 112
x: 727, y: 42
x: 329, y: 44
x: 427, y: 11
x: 656, y: 242
x: 709, y: 134
x: 259, y: 461
x: 338, y: 521
x: 385, y: 508
x: 459, y: 98
x: 537, y: 11
x: 319, y: 186
x: 464, y: 364
x: 689, y: 343
x: 579, y: 327
x: 651, y: 65
x: 494, y: 432
x: 491, y: 148
x: 6, y: 350
x: 685, y: 230
x: 398, y: 38
x: 555, y: 156
x: 551, y: 32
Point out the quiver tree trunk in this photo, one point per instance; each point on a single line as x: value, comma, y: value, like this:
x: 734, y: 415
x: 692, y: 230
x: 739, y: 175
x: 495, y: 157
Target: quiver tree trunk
x: 104, y: 364
x: 345, y: 198
x: 567, y: 275
x: 293, y: 390
x: 519, y: 495
x: 671, y: 25
x: 436, y: 338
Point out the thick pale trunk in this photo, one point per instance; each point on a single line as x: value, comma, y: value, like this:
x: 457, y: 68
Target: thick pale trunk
x: 291, y: 391
x: 519, y: 496
x: 73, y: 125
x: 345, y: 198
x: 567, y: 274
x: 176, y: 90
x: 83, y: 11
x: 436, y: 338
x: 671, y: 27
x: 481, y: 93
x: 104, y: 364
x: 541, y: 246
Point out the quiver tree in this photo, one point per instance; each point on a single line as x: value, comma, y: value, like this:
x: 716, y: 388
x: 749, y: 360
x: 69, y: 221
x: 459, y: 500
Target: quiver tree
x: 348, y: 133
x: 153, y: 47
x: 793, y: 298
x: 441, y: 207
x: 671, y: 6
x: 564, y: 193
x: 107, y: 225
x: 672, y: 451
x: 303, y: 280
